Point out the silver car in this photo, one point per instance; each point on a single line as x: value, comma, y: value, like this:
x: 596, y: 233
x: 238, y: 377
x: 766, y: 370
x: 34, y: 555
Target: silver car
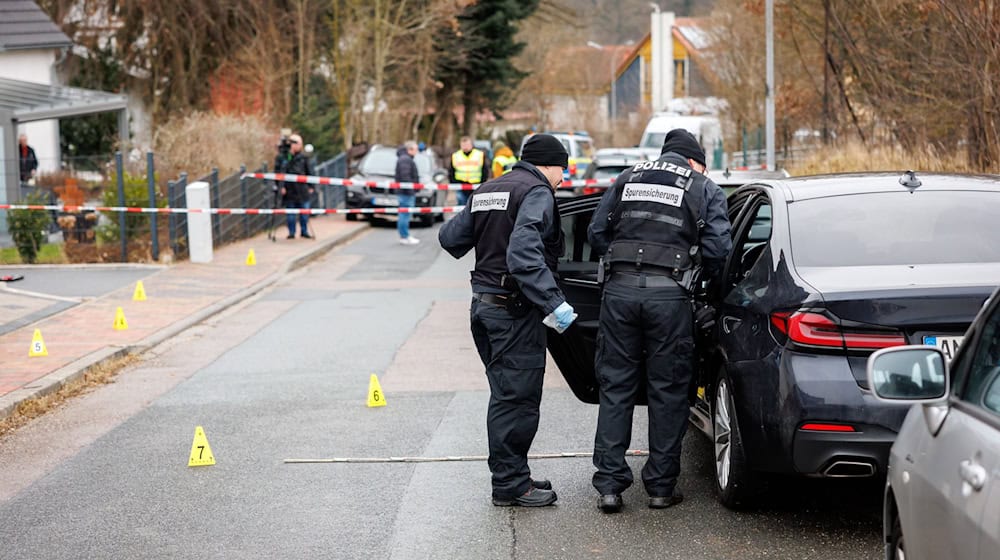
x: 942, y: 497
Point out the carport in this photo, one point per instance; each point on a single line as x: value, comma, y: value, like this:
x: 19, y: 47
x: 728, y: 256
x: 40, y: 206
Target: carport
x: 22, y: 102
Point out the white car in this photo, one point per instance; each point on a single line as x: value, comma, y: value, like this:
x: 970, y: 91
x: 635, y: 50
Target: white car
x: 942, y: 497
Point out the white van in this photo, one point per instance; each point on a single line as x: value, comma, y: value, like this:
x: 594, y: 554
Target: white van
x: 706, y: 128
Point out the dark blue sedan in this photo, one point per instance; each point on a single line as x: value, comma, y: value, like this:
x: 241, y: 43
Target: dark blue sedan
x: 824, y: 271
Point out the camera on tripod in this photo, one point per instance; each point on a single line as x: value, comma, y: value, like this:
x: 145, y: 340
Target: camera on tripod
x: 285, y: 144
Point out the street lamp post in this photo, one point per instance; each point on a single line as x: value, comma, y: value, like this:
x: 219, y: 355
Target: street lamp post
x: 611, y: 65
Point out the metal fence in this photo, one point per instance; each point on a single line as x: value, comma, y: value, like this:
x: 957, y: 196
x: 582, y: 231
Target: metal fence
x: 89, y: 236
x: 332, y: 196
x: 232, y: 191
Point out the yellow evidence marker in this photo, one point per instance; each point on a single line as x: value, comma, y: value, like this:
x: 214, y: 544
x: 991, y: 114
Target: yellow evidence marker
x: 140, y: 292
x: 201, y: 452
x: 375, y: 395
x: 251, y: 258
x: 120, y: 323
x: 37, y: 345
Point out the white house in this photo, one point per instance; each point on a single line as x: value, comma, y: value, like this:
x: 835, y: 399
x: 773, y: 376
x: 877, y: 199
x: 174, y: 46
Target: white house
x: 31, y: 99
x: 30, y: 46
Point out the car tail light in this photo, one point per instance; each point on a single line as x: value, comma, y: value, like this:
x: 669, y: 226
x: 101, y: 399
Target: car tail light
x: 824, y: 427
x: 819, y: 329
x: 590, y: 190
x: 572, y: 170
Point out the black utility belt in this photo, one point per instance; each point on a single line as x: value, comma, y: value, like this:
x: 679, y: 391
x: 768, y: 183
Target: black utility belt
x: 643, y: 280
x: 494, y: 299
x: 515, y: 303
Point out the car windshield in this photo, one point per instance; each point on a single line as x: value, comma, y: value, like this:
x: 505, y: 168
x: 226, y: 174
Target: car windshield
x: 653, y: 140
x: 609, y: 171
x: 898, y: 228
x: 382, y: 161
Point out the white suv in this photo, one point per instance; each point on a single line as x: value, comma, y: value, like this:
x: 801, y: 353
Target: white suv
x: 579, y: 146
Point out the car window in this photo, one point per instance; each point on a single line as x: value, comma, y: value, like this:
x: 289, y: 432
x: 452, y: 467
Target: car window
x: 379, y: 162
x: 736, y: 204
x: 930, y: 227
x: 609, y: 171
x: 753, y: 240
x: 586, y: 149
x: 653, y: 140
x: 424, y: 165
x: 575, y: 231
x: 565, y: 143
x: 983, y: 387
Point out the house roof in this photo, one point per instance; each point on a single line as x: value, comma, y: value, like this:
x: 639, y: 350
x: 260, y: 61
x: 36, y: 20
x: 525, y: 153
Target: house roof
x: 23, y: 25
x: 28, y: 101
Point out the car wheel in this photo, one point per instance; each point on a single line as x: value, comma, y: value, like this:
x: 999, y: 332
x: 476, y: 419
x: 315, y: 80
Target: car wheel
x: 897, y: 548
x: 734, y: 482
x: 352, y: 217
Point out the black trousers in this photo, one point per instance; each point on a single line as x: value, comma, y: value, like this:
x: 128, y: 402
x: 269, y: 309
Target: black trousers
x: 513, y: 351
x: 654, y: 326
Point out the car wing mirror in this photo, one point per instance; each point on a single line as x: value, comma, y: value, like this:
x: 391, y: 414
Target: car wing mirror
x: 912, y: 374
x: 909, y: 374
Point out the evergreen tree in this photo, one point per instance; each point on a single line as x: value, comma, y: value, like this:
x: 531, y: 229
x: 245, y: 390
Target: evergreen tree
x: 478, y: 56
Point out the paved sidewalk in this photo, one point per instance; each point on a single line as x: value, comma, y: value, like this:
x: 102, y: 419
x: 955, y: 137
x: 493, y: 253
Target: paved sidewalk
x: 179, y: 296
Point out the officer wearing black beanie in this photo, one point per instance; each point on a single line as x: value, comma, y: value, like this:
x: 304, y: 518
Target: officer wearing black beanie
x: 661, y: 227
x: 512, y: 222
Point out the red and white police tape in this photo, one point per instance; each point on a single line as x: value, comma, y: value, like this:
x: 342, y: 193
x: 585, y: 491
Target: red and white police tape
x: 236, y: 211
x: 312, y: 179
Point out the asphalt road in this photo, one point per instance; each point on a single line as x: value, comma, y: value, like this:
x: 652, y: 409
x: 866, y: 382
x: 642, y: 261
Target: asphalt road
x: 285, y: 376
x: 47, y: 290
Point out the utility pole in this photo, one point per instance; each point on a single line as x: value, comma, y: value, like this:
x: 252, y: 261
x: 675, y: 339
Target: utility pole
x: 826, y: 72
x: 769, y: 103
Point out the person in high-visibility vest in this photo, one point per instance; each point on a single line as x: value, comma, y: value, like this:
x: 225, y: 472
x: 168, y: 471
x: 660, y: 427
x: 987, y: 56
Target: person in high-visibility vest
x: 468, y: 165
x: 503, y: 159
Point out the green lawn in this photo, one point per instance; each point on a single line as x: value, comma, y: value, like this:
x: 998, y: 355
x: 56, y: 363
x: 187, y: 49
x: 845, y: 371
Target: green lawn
x: 50, y: 253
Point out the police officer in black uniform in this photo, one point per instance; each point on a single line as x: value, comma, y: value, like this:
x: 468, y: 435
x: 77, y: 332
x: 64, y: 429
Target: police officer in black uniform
x: 661, y: 225
x: 513, y: 224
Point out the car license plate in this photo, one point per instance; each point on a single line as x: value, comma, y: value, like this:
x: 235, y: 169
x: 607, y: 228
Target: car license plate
x: 948, y: 344
x: 385, y: 201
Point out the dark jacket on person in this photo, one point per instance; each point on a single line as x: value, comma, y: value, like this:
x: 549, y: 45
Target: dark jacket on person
x: 27, y: 161
x: 712, y: 234
x: 406, y: 168
x: 517, y: 235
x: 295, y: 192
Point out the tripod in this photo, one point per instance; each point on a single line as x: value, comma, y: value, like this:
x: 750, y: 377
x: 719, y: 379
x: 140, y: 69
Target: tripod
x: 274, y: 206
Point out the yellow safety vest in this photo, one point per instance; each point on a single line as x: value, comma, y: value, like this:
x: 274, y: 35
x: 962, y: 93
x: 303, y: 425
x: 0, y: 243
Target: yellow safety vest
x: 468, y: 168
x: 506, y: 163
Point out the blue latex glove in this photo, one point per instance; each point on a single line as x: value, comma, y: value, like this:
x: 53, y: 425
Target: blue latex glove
x: 564, y: 315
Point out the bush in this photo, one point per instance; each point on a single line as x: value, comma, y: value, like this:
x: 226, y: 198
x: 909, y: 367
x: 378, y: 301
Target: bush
x: 137, y: 195
x: 27, y: 228
x: 200, y: 141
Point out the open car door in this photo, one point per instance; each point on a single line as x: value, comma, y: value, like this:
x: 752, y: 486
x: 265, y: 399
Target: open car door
x: 573, y: 351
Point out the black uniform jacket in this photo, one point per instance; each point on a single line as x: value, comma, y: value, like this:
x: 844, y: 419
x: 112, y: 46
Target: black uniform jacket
x: 529, y: 259
x: 715, y: 239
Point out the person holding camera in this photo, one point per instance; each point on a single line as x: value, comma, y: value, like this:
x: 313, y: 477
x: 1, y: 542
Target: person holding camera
x: 660, y: 226
x: 292, y: 161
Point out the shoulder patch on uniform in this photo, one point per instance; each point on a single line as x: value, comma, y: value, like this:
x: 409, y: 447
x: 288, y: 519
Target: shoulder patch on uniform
x: 484, y: 202
x: 652, y: 192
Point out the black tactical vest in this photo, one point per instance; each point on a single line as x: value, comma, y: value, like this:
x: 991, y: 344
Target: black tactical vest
x: 494, y: 207
x: 656, y: 224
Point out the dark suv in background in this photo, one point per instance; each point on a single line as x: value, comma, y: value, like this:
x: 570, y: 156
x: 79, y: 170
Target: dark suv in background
x: 379, y: 164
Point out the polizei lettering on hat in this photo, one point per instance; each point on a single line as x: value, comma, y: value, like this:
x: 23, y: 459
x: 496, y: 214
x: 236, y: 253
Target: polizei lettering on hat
x: 651, y: 192
x: 485, y: 202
